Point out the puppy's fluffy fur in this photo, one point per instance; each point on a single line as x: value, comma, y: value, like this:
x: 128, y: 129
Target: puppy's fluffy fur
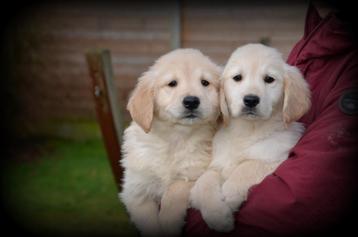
x: 254, y: 139
x: 167, y: 147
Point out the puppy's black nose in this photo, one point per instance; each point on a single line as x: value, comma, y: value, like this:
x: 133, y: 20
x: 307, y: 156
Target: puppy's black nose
x: 251, y: 100
x: 191, y: 102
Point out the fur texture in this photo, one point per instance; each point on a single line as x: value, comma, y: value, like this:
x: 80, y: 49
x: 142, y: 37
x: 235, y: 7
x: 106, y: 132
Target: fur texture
x: 253, y: 141
x: 167, y: 147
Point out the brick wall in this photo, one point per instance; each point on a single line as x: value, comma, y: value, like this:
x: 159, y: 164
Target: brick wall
x: 50, y: 41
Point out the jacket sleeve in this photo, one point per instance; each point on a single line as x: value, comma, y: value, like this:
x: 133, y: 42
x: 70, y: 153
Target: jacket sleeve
x: 312, y: 191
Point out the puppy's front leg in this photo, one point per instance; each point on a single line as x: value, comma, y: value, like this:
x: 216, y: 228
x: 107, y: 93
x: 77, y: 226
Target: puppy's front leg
x: 174, y: 204
x: 247, y: 174
x: 207, y: 197
x: 144, y: 214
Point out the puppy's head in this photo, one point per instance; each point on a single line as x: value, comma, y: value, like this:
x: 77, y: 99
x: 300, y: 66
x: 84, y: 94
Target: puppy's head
x: 256, y: 82
x: 181, y: 87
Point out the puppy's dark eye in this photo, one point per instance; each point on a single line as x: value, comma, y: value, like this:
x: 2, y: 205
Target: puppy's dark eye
x: 269, y: 79
x: 205, y: 82
x: 173, y: 83
x: 237, y: 77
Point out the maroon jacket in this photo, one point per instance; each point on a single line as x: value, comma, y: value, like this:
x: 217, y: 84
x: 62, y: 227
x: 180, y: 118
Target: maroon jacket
x: 312, y: 191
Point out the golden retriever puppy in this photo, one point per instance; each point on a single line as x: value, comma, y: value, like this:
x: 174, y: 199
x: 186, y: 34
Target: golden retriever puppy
x: 174, y: 107
x: 261, y: 98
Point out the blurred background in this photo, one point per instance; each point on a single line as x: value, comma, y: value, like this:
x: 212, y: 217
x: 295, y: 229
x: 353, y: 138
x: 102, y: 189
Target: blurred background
x: 55, y: 176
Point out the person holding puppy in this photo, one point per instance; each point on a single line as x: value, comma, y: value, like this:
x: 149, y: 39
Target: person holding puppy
x: 313, y: 191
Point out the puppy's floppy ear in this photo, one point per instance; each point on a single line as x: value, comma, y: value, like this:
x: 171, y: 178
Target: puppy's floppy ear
x: 297, y: 97
x: 141, y: 103
x: 223, y: 104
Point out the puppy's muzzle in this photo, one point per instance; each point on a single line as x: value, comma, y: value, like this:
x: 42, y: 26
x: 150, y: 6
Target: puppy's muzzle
x: 191, y: 102
x: 251, y: 101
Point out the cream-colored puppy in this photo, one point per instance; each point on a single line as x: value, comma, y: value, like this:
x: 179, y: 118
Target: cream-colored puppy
x: 175, y: 106
x: 261, y: 98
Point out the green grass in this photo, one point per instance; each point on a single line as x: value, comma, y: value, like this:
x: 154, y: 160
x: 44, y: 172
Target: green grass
x: 68, y: 190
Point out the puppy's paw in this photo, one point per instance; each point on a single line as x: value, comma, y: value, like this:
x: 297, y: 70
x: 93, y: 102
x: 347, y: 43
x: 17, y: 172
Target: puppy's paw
x: 234, y: 196
x: 171, y: 230
x: 196, y: 196
x: 151, y: 232
x: 170, y: 226
x: 219, y: 218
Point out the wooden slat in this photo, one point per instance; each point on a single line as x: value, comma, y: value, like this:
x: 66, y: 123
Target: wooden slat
x: 176, y: 26
x: 100, y: 71
x: 112, y: 93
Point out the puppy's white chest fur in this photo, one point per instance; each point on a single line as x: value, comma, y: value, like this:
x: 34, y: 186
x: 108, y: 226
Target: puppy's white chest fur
x: 243, y: 139
x: 153, y: 161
